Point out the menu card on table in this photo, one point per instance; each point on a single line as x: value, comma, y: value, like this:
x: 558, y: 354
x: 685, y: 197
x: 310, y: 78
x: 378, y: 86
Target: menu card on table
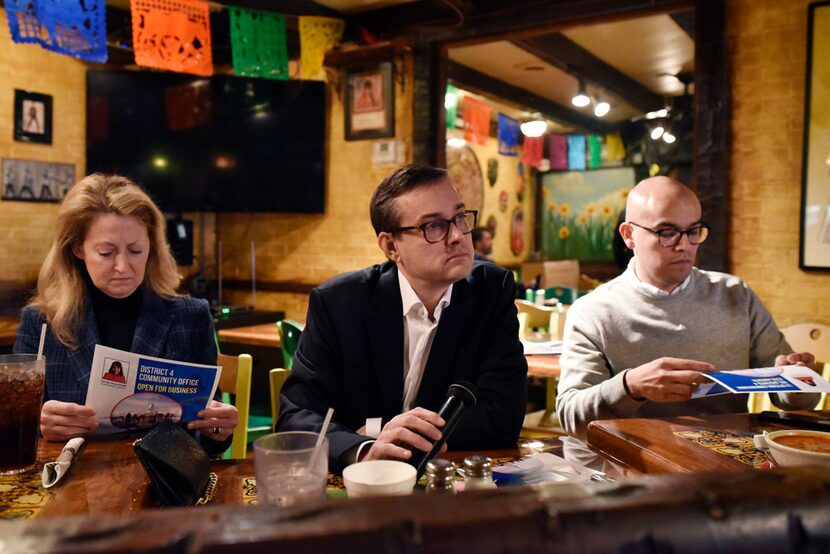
x: 133, y: 392
x: 788, y: 378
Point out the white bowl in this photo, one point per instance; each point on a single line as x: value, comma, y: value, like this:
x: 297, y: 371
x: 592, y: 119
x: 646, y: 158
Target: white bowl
x: 379, y: 478
x: 788, y: 456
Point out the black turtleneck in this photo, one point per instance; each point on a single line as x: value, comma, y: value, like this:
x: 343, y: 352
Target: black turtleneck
x: 116, y: 317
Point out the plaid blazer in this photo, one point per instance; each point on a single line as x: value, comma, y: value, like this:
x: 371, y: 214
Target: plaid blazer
x: 178, y: 328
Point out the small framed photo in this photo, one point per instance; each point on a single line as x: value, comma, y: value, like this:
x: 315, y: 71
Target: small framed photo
x: 369, y: 101
x: 32, y: 117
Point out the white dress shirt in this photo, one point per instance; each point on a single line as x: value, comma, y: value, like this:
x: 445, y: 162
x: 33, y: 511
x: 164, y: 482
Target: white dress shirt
x: 418, y: 334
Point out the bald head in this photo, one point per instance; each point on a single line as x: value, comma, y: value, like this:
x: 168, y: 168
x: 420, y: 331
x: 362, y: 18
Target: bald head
x: 655, y: 206
x: 651, y: 196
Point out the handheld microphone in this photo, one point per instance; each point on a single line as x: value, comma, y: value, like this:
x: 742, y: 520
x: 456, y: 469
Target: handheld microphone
x: 460, y: 396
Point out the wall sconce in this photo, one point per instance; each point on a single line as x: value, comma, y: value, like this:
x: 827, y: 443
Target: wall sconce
x: 581, y: 99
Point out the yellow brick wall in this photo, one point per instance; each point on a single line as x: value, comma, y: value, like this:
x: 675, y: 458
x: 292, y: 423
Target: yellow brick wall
x: 308, y: 249
x: 25, y: 231
x: 767, y: 54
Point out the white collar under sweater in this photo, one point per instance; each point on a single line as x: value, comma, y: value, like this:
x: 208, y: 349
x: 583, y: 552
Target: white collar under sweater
x: 649, y: 288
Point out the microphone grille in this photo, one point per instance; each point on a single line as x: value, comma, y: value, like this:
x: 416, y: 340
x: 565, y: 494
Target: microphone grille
x: 464, y: 391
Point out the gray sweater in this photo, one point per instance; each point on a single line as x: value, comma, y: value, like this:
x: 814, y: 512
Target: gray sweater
x: 716, y: 318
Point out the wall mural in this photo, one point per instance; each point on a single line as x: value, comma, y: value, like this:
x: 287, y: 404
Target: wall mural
x: 580, y: 211
x: 465, y: 173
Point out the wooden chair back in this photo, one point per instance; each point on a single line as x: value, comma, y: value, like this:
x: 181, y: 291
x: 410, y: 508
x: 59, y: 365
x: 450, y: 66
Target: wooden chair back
x: 236, y: 379
x: 276, y: 379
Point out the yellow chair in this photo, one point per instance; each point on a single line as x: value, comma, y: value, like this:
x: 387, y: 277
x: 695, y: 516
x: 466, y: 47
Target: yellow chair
x: 547, y: 318
x: 550, y: 319
x: 802, y: 337
x: 236, y: 380
x: 276, y: 379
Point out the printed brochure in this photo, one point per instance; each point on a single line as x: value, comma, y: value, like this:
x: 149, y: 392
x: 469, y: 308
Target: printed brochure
x: 133, y: 392
x: 788, y: 378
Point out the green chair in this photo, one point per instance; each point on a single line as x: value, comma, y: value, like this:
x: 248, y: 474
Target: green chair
x: 565, y: 295
x: 290, y: 332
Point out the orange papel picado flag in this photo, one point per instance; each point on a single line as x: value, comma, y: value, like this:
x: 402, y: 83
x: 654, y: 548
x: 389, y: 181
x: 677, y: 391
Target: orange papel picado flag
x: 173, y: 35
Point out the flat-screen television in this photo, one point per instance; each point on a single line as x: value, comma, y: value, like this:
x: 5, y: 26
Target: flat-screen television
x: 222, y: 143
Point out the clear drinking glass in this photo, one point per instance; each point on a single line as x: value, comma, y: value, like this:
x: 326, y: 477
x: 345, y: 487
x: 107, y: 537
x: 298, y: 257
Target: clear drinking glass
x: 21, y: 390
x: 284, y: 473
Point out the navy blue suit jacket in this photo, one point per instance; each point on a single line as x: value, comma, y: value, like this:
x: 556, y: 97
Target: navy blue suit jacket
x: 179, y: 328
x: 350, y: 357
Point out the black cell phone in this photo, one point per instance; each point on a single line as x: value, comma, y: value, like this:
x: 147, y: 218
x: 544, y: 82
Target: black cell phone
x: 818, y: 423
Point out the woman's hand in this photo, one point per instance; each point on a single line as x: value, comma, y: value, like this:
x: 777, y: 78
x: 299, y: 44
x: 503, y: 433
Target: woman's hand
x: 216, y: 422
x: 60, y: 421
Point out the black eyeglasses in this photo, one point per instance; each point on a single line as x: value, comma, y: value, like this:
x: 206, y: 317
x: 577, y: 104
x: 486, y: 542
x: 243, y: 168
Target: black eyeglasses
x: 670, y: 236
x: 436, y: 231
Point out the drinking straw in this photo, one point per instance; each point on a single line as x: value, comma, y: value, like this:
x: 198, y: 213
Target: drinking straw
x: 320, y: 437
x: 42, y: 340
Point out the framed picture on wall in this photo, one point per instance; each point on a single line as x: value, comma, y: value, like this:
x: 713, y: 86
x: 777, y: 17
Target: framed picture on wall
x: 815, y: 187
x: 32, y: 117
x: 369, y: 102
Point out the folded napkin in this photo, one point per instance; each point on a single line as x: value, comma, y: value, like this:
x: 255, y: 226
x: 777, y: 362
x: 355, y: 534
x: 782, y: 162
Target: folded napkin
x: 54, y: 471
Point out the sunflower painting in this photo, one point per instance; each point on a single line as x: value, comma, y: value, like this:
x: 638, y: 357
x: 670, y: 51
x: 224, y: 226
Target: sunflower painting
x: 580, y: 212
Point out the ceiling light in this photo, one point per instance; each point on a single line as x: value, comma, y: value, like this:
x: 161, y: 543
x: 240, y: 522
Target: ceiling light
x: 456, y: 142
x: 657, y: 114
x: 657, y: 132
x: 669, y: 138
x: 601, y: 108
x: 581, y: 99
x: 534, y: 128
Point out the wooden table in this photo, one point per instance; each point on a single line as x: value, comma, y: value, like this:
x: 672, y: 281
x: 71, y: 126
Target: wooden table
x: 652, y: 445
x: 107, y: 478
x: 264, y: 334
x: 545, y: 366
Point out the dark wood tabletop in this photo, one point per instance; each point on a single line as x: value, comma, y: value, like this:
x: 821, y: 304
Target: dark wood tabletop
x: 107, y: 478
x: 653, y: 445
x: 264, y: 334
x: 8, y: 330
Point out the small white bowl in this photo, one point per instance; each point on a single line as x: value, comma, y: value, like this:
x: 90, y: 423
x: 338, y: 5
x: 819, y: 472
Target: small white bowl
x: 787, y: 456
x: 379, y: 478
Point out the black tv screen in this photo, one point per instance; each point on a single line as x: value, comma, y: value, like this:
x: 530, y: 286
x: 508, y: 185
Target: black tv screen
x: 223, y: 143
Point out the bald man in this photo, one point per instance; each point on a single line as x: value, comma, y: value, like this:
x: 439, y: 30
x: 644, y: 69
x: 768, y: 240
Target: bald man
x: 636, y: 346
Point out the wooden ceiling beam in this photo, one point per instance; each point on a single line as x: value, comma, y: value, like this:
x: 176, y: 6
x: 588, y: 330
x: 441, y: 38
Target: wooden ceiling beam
x: 559, y: 51
x: 487, y: 20
x: 479, y: 83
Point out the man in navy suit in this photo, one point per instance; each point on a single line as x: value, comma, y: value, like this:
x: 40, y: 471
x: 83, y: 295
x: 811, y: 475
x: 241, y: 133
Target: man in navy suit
x: 382, y: 345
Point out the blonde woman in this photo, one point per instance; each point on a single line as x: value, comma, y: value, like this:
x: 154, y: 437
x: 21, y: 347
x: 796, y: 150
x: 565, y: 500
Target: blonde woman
x: 109, y: 279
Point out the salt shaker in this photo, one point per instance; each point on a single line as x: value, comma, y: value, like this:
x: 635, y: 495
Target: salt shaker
x: 440, y: 476
x: 540, y: 297
x: 478, y: 473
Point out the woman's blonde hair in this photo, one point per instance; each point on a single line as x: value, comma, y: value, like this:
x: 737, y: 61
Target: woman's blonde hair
x: 60, y: 283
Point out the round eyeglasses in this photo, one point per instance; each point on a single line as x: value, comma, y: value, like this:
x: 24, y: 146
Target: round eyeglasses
x: 437, y: 230
x: 670, y: 236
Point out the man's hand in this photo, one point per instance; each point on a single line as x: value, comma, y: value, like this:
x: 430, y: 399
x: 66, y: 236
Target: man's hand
x: 665, y: 379
x: 60, y: 421
x: 798, y: 358
x: 406, y: 431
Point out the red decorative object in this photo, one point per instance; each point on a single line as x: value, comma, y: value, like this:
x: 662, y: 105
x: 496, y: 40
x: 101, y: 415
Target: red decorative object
x: 476, y: 121
x: 172, y: 34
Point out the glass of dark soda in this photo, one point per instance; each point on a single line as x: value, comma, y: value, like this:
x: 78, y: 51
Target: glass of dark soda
x: 21, y: 398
